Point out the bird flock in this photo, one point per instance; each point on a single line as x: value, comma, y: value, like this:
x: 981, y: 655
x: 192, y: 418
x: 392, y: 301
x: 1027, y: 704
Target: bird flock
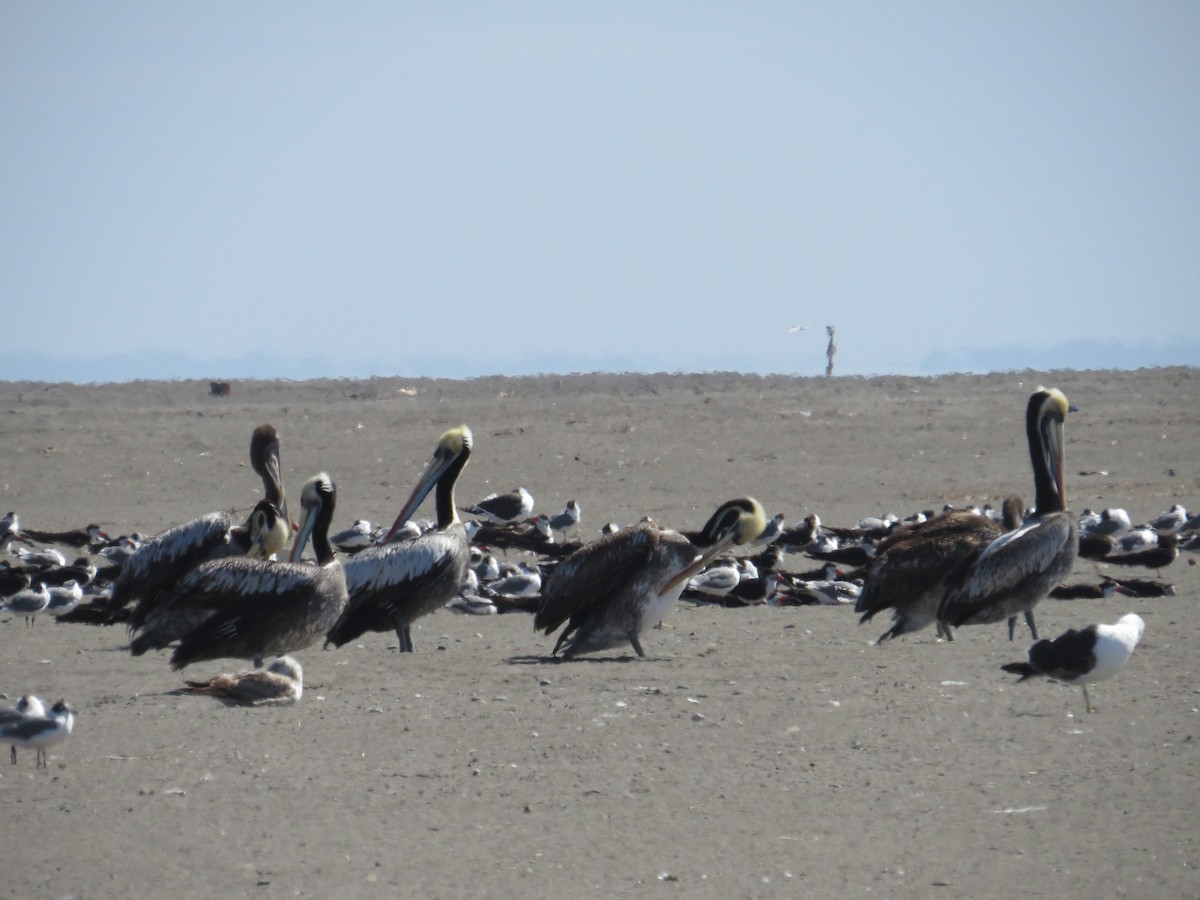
x: 215, y: 588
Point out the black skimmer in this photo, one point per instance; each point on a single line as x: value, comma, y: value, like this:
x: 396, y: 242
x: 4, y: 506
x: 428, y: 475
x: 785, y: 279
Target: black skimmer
x: 1083, y: 657
x: 393, y: 585
x: 279, y: 684
x: 609, y: 591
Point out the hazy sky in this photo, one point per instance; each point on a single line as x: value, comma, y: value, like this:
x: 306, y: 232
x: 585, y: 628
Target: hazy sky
x: 471, y: 188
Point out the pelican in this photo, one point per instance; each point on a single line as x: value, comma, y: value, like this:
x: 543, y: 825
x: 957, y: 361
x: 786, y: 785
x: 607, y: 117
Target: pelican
x: 1016, y: 570
x: 165, y: 558
x: 1083, y: 657
x: 914, y: 566
x: 613, y: 588
x: 250, y: 608
x: 394, y: 584
x: 962, y: 567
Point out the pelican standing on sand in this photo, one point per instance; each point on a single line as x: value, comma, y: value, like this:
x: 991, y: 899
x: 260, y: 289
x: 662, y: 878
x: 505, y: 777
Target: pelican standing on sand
x: 1014, y: 572
x: 164, y: 559
x: 615, y: 587
x: 960, y: 567
x: 251, y: 608
x: 393, y: 585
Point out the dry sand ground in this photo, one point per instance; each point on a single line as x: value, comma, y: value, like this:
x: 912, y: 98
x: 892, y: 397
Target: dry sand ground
x: 756, y: 752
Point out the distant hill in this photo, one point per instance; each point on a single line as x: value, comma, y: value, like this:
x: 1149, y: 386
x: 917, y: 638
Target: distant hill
x: 160, y: 365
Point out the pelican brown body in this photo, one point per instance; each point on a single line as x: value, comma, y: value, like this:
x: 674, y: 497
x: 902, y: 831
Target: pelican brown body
x: 609, y: 591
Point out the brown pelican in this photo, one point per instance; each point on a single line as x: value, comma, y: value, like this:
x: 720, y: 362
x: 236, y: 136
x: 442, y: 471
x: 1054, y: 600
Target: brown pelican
x: 279, y: 684
x: 393, y: 585
x: 1084, y: 657
x: 613, y: 588
x: 960, y: 567
x: 250, y: 608
x: 1016, y: 570
x: 165, y: 558
x: 914, y: 566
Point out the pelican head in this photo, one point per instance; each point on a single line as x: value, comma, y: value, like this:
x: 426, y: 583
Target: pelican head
x: 264, y: 457
x: 453, y: 450
x: 735, y: 522
x: 1044, y: 418
x: 269, y: 530
x: 316, y: 500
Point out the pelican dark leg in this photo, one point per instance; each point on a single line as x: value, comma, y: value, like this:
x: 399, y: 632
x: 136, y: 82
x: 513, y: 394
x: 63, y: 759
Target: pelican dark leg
x: 637, y: 645
x: 404, y: 635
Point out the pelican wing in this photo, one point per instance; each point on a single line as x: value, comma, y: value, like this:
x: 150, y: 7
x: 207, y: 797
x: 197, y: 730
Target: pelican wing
x: 241, y: 581
x: 1010, y: 568
x: 167, y: 556
x: 245, y: 596
x: 921, y: 558
x: 594, y: 574
x: 394, y: 582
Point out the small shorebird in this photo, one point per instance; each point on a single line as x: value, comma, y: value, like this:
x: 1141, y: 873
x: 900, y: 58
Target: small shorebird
x: 40, y: 731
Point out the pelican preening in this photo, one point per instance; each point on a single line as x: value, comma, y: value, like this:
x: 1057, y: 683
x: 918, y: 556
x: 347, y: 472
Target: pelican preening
x: 609, y: 591
x: 393, y: 585
x: 165, y: 558
x: 961, y: 569
x: 251, y: 608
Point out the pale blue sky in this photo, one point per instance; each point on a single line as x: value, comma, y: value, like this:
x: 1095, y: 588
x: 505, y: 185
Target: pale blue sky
x: 473, y: 188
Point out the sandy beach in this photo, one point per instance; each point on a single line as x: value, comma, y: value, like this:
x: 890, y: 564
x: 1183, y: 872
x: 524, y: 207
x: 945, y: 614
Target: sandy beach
x: 755, y: 752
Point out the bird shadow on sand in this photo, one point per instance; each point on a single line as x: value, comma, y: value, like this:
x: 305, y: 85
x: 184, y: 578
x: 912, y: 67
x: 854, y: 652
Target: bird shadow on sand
x: 531, y: 660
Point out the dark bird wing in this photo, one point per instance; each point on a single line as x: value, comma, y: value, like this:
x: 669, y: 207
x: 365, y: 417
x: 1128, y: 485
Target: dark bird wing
x: 167, y: 556
x: 914, y: 564
x: 390, y: 583
x: 1010, y: 569
x: 1068, y: 657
